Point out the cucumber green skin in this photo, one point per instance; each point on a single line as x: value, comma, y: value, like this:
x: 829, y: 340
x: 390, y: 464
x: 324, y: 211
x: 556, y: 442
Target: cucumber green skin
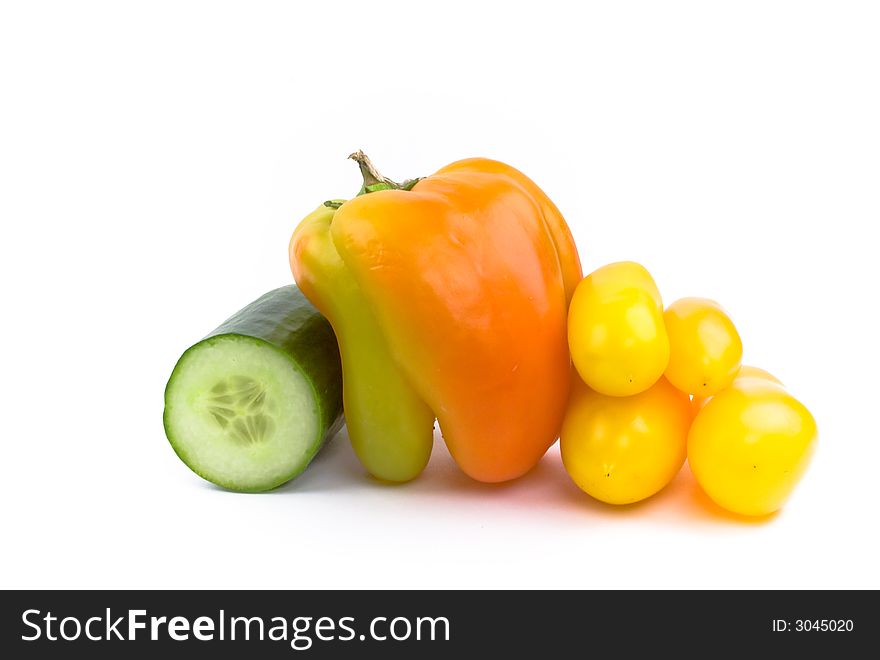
x: 286, y: 321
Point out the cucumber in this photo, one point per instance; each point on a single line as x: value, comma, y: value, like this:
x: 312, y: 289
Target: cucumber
x: 251, y: 404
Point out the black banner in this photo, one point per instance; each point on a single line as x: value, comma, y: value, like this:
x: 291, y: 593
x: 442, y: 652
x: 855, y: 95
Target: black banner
x: 429, y: 624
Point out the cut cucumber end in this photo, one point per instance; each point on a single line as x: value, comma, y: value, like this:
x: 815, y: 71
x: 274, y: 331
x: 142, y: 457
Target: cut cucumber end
x: 241, y: 414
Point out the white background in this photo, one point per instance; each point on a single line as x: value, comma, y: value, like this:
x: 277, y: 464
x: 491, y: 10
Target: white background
x: 155, y: 158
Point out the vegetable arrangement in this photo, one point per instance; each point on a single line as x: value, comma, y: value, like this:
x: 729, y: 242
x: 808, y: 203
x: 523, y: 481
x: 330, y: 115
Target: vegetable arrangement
x: 459, y: 297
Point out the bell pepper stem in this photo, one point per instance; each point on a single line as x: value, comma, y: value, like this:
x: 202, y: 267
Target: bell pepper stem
x: 371, y: 175
x: 373, y: 180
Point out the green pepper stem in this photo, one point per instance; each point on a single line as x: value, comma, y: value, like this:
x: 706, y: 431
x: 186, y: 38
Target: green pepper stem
x: 373, y: 180
x: 371, y: 175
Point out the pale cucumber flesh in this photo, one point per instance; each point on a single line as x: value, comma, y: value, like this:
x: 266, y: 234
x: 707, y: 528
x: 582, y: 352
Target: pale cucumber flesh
x: 249, y: 408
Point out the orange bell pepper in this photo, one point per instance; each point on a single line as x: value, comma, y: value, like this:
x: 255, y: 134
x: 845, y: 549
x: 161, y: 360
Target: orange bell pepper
x: 449, y: 298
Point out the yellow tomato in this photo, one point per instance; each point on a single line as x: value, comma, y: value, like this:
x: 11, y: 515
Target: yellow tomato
x: 704, y: 347
x: 623, y: 449
x: 750, y: 445
x: 745, y: 372
x: 616, y: 334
